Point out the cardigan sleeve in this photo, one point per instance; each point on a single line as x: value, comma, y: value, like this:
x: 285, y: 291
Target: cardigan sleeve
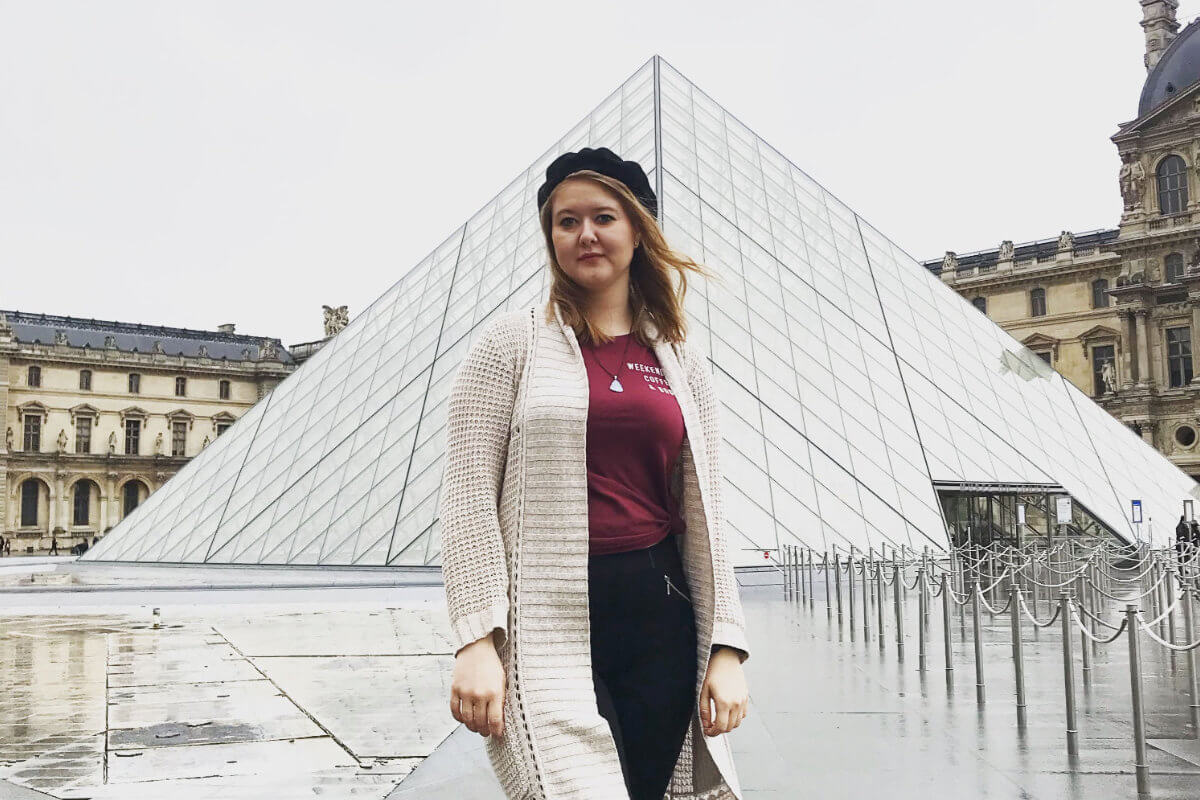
x: 729, y: 625
x: 479, y: 412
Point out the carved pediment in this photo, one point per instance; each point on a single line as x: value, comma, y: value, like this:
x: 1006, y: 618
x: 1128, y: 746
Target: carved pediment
x: 1098, y: 332
x: 224, y: 416
x: 84, y: 410
x: 33, y: 407
x: 1039, y: 341
x: 133, y: 412
x: 182, y: 415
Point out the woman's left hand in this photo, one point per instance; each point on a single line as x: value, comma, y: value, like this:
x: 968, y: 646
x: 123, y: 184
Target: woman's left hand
x: 725, y: 686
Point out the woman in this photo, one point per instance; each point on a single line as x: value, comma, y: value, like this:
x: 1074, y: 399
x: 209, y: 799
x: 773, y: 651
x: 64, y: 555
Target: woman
x: 590, y: 594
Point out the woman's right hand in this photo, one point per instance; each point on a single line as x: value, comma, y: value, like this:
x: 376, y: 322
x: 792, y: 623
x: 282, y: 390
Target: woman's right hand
x: 477, y: 689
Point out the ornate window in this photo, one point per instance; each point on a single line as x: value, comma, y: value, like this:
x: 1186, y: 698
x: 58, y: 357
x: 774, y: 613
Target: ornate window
x: 1037, y: 302
x: 85, y: 380
x: 82, y: 503
x: 1100, y: 293
x: 981, y: 304
x: 83, y: 434
x: 133, y: 435
x: 135, y: 383
x: 224, y: 390
x: 29, y: 503
x: 223, y: 426
x: 1172, y: 185
x: 34, y: 377
x: 181, y: 387
x: 131, y: 497
x: 1179, y: 356
x: 1174, y: 268
x: 179, y: 438
x: 1046, y: 355
x: 33, y: 433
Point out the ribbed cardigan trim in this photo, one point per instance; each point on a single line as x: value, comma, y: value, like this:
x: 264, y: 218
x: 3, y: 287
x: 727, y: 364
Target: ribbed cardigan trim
x: 514, y: 516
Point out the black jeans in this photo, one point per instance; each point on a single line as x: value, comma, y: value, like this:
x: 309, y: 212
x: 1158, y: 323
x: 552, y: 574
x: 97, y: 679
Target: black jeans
x: 643, y: 659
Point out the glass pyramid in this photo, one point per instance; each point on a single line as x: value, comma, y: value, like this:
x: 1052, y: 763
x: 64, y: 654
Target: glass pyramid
x: 853, y: 380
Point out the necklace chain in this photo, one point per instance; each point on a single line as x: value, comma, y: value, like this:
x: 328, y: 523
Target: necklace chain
x: 615, y: 386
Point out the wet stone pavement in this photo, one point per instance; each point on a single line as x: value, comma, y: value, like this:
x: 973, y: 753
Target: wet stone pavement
x: 342, y: 694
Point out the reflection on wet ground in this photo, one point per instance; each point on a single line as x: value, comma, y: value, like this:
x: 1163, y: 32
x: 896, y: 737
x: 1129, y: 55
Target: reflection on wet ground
x: 342, y: 693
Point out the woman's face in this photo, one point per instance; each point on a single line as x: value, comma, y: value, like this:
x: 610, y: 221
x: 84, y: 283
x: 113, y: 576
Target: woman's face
x: 593, y: 238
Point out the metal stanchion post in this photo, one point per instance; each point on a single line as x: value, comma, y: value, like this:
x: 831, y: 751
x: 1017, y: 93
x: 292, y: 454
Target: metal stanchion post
x: 1068, y: 673
x: 922, y: 628
x: 925, y: 566
x: 1139, y: 720
x: 1189, y: 632
x: 879, y: 598
x: 1018, y: 654
x: 975, y: 597
x: 1097, y: 601
x: 1169, y: 591
x: 866, y: 602
x: 810, y: 578
x: 785, y: 557
x: 850, y: 589
x: 949, y: 650
x: 798, y: 565
x: 1085, y: 651
x: 897, y: 583
x: 837, y: 578
x: 825, y: 569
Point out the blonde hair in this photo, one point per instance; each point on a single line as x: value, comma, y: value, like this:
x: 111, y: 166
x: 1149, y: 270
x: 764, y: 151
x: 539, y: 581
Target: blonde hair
x: 652, y: 292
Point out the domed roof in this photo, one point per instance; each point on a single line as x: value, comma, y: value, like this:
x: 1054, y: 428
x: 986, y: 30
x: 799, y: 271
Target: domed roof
x: 1178, y: 69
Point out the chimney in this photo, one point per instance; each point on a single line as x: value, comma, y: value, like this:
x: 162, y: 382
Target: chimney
x: 226, y: 328
x: 1160, y: 26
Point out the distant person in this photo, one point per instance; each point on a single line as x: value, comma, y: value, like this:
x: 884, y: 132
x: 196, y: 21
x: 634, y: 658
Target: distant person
x: 93, y: 541
x: 2, y: 540
x: 1183, y: 538
x: 54, y: 545
x: 8, y: 546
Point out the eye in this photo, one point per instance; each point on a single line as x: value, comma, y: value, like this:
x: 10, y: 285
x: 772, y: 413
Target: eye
x: 605, y: 216
x: 565, y: 222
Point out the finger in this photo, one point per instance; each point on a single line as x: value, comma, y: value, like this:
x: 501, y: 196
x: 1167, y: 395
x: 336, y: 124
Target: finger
x: 479, y: 709
x: 721, y: 723
x: 705, y: 699
x: 496, y: 718
x: 475, y: 714
x: 455, y: 702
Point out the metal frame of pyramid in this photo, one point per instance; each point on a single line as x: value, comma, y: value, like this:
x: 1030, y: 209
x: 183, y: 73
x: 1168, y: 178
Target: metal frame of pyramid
x: 852, y: 379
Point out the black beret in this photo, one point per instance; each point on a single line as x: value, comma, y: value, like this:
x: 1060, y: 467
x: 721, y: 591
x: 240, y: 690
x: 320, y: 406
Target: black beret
x: 606, y: 162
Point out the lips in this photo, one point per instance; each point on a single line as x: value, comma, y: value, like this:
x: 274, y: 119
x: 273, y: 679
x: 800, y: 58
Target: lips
x: 589, y: 256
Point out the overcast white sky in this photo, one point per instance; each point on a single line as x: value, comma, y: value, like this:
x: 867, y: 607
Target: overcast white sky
x: 200, y: 163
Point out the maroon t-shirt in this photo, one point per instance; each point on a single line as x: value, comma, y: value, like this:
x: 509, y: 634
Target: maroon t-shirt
x: 634, y: 439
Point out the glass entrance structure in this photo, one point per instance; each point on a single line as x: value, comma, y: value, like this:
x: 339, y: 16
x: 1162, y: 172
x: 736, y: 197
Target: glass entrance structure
x: 851, y: 378
x: 1015, y: 516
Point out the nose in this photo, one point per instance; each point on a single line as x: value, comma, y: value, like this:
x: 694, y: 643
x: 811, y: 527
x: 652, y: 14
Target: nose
x: 587, y: 231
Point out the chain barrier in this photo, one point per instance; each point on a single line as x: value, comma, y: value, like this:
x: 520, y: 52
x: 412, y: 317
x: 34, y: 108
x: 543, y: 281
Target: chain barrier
x: 1075, y: 578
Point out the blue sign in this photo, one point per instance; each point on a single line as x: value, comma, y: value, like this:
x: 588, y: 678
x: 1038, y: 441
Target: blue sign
x: 1137, y: 511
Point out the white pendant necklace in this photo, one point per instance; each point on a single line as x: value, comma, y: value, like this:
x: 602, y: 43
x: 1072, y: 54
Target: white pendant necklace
x: 615, y: 386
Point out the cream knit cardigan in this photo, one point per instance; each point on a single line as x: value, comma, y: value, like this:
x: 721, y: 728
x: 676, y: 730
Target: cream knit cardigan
x: 514, y: 519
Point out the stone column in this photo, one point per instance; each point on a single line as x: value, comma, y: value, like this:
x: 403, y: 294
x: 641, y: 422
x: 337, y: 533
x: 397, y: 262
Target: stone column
x: 1195, y: 341
x: 1143, y: 348
x: 1127, y: 346
x: 106, y: 510
x: 1147, y: 431
x: 55, y: 488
